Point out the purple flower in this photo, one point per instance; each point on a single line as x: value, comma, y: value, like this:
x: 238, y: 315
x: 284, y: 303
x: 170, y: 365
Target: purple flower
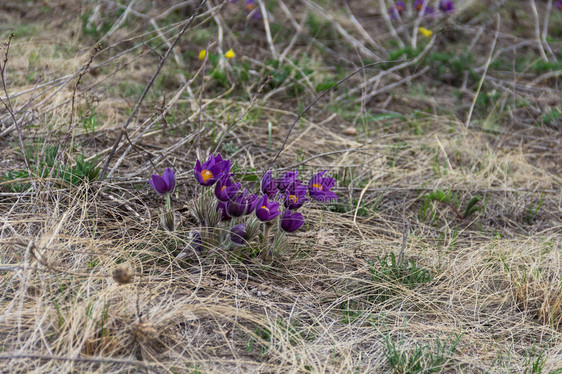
x: 163, y: 184
x: 241, y: 204
x: 559, y: 4
x: 269, y: 185
x: 397, y: 9
x: 225, y: 188
x: 291, y: 221
x: 295, y: 196
x: 319, y: 187
x: 250, y: 5
x: 288, y: 180
x: 418, y: 4
x: 266, y: 210
x: 446, y: 6
x: 212, y: 170
x: 221, y: 205
x: 238, y: 234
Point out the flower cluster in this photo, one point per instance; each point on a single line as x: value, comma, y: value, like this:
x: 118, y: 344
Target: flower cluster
x: 241, y: 211
x: 278, y: 199
x: 445, y: 6
x: 229, y: 54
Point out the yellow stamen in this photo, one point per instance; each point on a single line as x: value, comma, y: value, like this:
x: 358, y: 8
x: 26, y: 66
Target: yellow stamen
x: 317, y: 185
x: 250, y: 6
x: 264, y: 207
x: 293, y: 199
x: 223, y: 188
x: 206, y: 175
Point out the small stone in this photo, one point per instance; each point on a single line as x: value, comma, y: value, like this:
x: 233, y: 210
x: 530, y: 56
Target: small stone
x: 351, y: 131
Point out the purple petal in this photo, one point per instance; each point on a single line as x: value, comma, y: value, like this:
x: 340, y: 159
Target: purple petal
x: 158, y: 183
x: 170, y: 179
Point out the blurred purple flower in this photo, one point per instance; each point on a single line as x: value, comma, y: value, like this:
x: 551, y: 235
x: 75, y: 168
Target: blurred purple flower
x: 212, y: 170
x: 397, y: 9
x: 225, y: 188
x: 446, y: 6
x: 163, y: 184
x: 241, y: 204
x: 319, y: 187
x: 250, y: 5
x: 559, y: 4
x: 291, y: 221
x: 269, y: 185
x: 238, y: 234
x: 295, y: 196
x: 418, y: 5
x: 267, y: 210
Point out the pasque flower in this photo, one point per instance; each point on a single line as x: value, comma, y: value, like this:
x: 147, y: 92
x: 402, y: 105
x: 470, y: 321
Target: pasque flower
x: 241, y: 204
x: 295, y: 196
x: 559, y: 4
x: 268, y: 185
x: 225, y: 188
x: 212, y: 170
x: 397, y: 9
x: 251, y: 7
x: 418, y: 4
x: 163, y: 184
x: 238, y: 234
x: 319, y: 187
x: 290, y: 178
x: 221, y: 205
x: 267, y: 210
x: 446, y: 6
x: 291, y: 221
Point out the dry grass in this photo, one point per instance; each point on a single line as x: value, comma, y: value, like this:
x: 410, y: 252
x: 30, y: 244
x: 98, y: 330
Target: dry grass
x: 327, y: 304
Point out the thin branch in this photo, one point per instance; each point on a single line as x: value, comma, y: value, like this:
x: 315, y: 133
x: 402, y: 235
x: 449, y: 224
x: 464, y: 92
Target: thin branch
x: 469, y: 116
x: 8, y: 103
x: 147, y: 88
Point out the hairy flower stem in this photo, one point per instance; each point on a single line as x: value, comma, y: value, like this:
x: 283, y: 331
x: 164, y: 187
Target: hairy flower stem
x: 168, y: 202
x: 266, y: 228
x: 275, y: 245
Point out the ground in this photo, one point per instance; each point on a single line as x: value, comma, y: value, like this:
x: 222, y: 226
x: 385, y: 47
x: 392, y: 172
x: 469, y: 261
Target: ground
x: 442, y: 252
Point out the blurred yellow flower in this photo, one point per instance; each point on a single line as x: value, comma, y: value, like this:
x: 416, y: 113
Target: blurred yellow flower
x: 202, y: 54
x: 230, y: 53
x: 425, y: 32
